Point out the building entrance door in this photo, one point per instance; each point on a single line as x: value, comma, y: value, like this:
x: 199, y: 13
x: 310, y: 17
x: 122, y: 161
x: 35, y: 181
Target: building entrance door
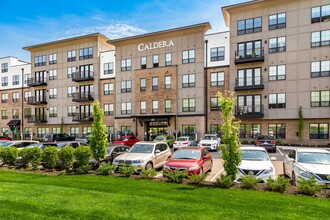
x: 155, y: 128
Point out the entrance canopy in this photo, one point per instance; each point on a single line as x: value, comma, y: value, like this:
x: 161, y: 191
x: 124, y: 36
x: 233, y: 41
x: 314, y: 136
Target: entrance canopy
x: 14, y: 125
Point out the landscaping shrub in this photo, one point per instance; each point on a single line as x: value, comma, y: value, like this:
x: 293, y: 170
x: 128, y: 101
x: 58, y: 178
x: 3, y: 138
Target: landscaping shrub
x: 25, y: 157
x: 50, y: 157
x: 83, y: 169
x: 126, y: 171
x: 278, y: 142
x: 308, y: 187
x: 106, y: 169
x: 253, y: 142
x: 82, y: 155
x: 244, y: 142
x: 9, y: 155
x: 278, y: 185
x: 250, y: 181
x: 176, y: 176
x: 66, y: 155
x: 197, y: 179
x: 30, y: 156
x: 225, y: 181
x: 148, y: 174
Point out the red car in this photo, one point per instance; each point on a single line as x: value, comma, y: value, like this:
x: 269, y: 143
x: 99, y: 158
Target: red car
x: 6, y: 138
x: 126, y: 140
x: 191, y: 159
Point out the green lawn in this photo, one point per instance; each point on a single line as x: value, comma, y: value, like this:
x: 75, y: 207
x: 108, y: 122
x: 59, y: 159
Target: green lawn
x: 33, y: 196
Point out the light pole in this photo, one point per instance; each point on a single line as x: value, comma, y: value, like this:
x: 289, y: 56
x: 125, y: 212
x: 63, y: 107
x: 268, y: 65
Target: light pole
x: 22, y: 126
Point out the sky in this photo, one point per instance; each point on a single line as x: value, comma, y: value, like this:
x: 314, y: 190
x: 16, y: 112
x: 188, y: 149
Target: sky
x: 25, y: 23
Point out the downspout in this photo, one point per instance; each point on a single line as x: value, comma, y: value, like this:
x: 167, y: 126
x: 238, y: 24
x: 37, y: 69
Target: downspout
x: 205, y: 86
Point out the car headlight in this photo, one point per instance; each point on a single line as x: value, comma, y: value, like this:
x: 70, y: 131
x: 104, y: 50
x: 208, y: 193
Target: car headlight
x: 269, y: 170
x: 194, y: 168
x: 137, y: 161
x: 304, y: 173
x: 166, y: 167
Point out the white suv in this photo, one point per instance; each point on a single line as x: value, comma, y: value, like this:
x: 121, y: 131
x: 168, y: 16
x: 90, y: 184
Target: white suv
x: 210, y: 141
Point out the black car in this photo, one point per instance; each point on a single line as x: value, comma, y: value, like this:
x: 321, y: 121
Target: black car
x: 57, y: 137
x: 266, y: 141
x: 112, y: 152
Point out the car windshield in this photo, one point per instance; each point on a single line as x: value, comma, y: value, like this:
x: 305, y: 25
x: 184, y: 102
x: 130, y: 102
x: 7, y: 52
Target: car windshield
x: 34, y: 145
x: 109, y: 150
x: 142, y: 148
x: 254, y: 155
x: 265, y: 137
x: 159, y: 138
x: 60, y: 145
x: 314, y: 157
x: 6, y: 144
x: 209, y: 137
x: 182, y: 139
x: 187, y: 155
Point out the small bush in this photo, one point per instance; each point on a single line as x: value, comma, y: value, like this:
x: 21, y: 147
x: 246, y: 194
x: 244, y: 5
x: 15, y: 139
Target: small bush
x: 278, y: 185
x: 244, y: 142
x: 63, y: 173
x: 225, y: 181
x: 66, y: 155
x: 30, y: 156
x: 176, y: 176
x: 253, y: 142
x: 278, y: 142
x: 50, y: 157
x: 9, y: 155
x: 83, y: 169
x: 308, y: 187
x: 197, y: 179
x: 250, y: 181
x: 148, y: 174
x: 126, y: 171
x: 106, y: 169
x: 83, y: 155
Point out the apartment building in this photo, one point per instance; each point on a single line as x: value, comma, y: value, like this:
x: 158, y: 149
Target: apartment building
x: 64, y: 81
x: 12, y: 91
x: 279, y: 62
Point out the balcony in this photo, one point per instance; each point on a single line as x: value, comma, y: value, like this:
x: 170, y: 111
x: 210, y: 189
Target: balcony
x: 36, y: 100
x: 249, y: 111
x: 37, y: 119
x: 249, y: 83
x: 83, y: 117
x: 36, y: 81
x: 83, y: 76
x: 246, y: 56
x: 82, y: 97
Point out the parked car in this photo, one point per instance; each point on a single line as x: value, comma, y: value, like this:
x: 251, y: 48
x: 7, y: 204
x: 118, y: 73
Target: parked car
x: 73, y: 144
x: 210, y: 141
x: 184, y: 141
x: 57, y: 137
x: 17, y: 144
x: 41, y: 145
x: 6, y: 138
x: 165, y: 138
x: 84, y: 138
x: 113, y: 151
x: 127, y: 140
x: 256, y: 162
x: 146, y: 155
x: 308, y: 162
x: 266, y: 141
x: 193, y: 160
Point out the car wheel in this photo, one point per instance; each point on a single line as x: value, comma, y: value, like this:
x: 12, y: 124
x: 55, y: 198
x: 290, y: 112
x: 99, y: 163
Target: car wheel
x: 210, y: 170
x: 149, y: 166
x: 103, y: 162
x: 201, y: 171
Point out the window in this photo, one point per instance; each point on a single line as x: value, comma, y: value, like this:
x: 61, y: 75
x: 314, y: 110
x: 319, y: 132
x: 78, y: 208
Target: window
x: 27, y: 112
x: 154, y: 106
x: 86, y: 90
x: 320, y: 68
x: 217, y: 54
x: 188, y: 80
x: 248, y: 26
x: 217, y: 79
x: 27, y: 95
x: 126, y: 86
x: 52, y: 58
x: 319, y: 131
x: 277, y: 21
x: 40, y: 61
x: 52, y: 111
x: 249, y: 104
x: 4, y: 114
x: 4, y: 81
x: 143, y: 62
x: 27, y: 132
x: 108, y: 68
x: 142, y: 84
x: 143, y: 107
x: 87, y: 130
x: 108, y: 88
x: 71, y: 55
x: 276, y: 100
x: 85, y: 53
x: 53, y: 93
x: 4, y: 97
x: 40, y: 77
x: 188, y: 130
x: 52, y: 74
x: 154, y: 83
x: 74, y: 131
x: 126, y: 129
x: 56, y: 130
x: 188, y: 56
x: 167, y: 82
x: 110, y: 132
x: 276, y: 73
x: 42, y: 131
x: 71, y: 71
x: 215, y: 104
x: 168, y: 59
x: 15, y: 114
x: 4, y: 67
x: 155, y: 60
x: 71, y: 91
x: 108, y: 109
x: 126, y: 65
x: 188, y: 105
x: 320, y: 38
x: 277, y: 131
x: 15, y: 79
x: 167, y: 105
x: 85, y: 71
x: 126, y: 108
x: 249, y: 77
x: 15, y: 96
x: 215, y: 129
x: 277, y: 44
x: 320, y: 13
x: 320, y: 99
x: 249, y: 49
x: 249, y: 130
x: 72, y: 110
x: 26, y: 77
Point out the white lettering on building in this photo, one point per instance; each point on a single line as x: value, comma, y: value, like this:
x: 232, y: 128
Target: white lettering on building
x: 155, y: 45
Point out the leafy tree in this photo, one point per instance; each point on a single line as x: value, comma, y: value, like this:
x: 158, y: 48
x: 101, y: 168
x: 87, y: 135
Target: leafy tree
x: 230, y: 147
x: 300, y: 125
x: 99, y: 137
x: 62, y: 125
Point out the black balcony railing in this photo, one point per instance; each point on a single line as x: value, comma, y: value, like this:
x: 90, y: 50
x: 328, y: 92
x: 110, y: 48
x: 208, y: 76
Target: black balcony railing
x: 83, y: 76
x: 36, y: 100
x: 37, y: 119
x: 83, y: 117
x: 81, y: 97
x: 249, y: 111
x: 36, y: 81
x: 247, y: 56
x: 249, y: 83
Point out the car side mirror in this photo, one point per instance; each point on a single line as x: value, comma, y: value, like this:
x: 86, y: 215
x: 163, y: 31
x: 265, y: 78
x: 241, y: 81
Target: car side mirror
x: 205, y: 157
x: 273, y: 158
x: 157, y: 151
x: 290, y: 159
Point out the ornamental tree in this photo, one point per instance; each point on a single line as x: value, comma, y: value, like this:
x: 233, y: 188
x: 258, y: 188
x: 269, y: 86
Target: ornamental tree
x: 300, y: 125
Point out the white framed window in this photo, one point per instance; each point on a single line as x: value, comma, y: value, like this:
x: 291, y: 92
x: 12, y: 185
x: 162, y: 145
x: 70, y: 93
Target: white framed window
x: 52, y: 74
x: 52, y: 58
x: 188, y: 56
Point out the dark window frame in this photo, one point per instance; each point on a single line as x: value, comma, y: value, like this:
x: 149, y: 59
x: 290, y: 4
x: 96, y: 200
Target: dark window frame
x: 318, y: 135
x: 220, y: 55
x: 277, y: 25
x: 249, y: 30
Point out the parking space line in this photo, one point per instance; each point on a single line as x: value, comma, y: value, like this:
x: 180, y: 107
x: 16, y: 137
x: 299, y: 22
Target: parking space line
x: 216, y: 175
x: 280, y: 151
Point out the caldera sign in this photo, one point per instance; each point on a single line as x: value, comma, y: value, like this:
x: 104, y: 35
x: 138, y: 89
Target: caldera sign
x: 155, y: 45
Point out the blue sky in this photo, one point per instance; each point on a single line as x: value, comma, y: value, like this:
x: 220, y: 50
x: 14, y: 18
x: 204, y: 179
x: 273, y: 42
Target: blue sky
x: 24, y: 23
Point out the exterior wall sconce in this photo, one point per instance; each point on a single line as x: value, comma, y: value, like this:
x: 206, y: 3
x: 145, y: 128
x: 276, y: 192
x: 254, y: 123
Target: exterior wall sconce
x: 265, y: 96
x: 265, y: 41
x: 265, y: 69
